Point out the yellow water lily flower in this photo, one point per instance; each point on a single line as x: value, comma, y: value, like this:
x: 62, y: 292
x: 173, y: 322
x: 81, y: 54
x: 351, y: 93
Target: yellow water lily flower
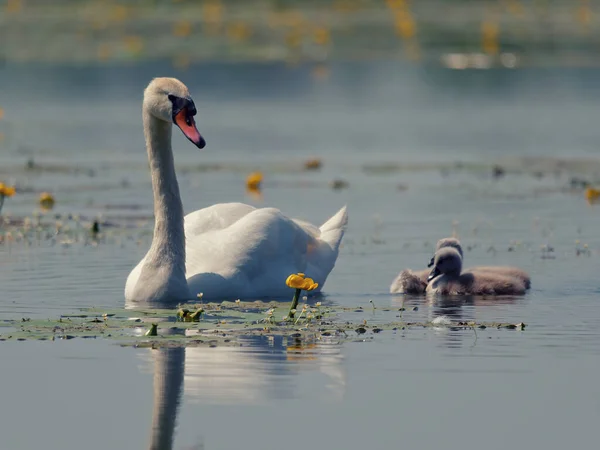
x: 7, y: 191
x: 255, y: 193
x: 46, y: 200
x: 313, y: 164
x: 297, y: 281
x: 592, y: 195
x: 254, y: 180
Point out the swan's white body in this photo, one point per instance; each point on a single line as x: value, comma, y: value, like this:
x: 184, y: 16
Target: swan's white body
x: 235, y: 251
x: 225, y: 251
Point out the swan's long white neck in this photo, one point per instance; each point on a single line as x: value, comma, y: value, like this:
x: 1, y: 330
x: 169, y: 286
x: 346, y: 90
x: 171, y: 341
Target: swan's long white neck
x: 168, y: 243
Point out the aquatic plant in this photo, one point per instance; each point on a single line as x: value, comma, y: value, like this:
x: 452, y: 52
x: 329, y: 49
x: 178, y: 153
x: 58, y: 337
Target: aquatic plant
x: 592, y: 195
x: 153, y: 331
x: 46, y: 200
x: 254, y: 181
x: 269, y: 316
x: 338, y: 184
x: 223, y: 324
x: 313, y: 164
x: 184, y: 315
x: 302, y: 312
x: 5, y: 191
x: 299, y: 282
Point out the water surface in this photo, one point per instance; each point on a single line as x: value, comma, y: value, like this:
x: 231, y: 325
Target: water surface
x: 421, y: 388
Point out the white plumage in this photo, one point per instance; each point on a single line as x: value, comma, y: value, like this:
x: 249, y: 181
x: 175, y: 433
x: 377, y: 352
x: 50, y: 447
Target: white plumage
x: 224, y: 251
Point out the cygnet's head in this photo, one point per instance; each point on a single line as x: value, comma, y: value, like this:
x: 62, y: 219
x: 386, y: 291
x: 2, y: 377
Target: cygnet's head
x: 168, y: 99
x: 447, y: 242
x: 447, y: 261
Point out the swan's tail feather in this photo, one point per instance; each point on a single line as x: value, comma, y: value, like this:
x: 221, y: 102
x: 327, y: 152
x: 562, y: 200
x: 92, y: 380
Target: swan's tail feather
x: 333, y: 230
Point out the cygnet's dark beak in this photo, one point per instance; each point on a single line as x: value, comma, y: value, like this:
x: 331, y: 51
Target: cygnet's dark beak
x: 430, y: 262
x: 434, y: 273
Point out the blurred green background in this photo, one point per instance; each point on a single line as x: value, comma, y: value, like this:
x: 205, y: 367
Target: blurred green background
x: 454, y: 33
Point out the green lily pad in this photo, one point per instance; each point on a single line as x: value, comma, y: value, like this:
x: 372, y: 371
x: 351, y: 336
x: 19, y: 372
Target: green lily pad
x: 219, y: 324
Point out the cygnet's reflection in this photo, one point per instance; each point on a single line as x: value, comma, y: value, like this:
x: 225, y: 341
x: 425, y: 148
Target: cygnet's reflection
x: 465, y: 308
x: 263, y: 368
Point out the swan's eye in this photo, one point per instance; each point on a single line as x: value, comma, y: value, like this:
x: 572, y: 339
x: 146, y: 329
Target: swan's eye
x: 178, y: 103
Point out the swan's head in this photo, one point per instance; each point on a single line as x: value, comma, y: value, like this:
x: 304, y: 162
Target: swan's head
x: 168, y: 99
x: 447, y: 242
x: 447, y: 261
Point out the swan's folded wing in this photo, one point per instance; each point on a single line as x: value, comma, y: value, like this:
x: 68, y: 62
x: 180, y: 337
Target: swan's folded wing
x: 214, y: 218
x: 308, y: 228
x: 262, y: 248
x: 323, y: 248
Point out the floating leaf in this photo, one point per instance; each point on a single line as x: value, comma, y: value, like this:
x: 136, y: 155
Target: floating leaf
x: 221, y: 324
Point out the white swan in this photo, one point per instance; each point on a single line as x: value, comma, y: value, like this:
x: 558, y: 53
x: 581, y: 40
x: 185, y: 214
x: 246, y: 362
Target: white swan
x: 225, y: 251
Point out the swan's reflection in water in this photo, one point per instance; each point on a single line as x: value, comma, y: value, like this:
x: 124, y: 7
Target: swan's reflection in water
x: 260, y: 370
x: 169, y: 366
x: 263, y: 368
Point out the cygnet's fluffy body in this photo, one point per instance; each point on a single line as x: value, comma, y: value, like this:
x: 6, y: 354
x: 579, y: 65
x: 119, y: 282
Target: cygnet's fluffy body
x: 415, y: 282
x: 447, y: 278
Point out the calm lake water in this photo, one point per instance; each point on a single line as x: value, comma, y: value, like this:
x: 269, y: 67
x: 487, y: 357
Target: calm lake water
x: 389, y: 130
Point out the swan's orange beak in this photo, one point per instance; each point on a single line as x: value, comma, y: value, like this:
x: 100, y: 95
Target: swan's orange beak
x: 186, y: 123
